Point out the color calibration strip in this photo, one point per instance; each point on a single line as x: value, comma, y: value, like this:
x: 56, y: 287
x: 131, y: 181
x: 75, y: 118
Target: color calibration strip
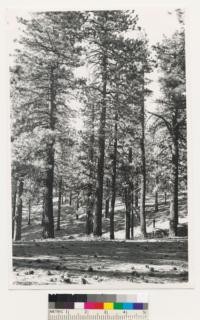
x: 98, y: 307
x: 98, y: 302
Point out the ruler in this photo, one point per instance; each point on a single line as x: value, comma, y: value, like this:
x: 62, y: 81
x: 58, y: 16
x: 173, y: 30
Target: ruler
x: 73, y: 314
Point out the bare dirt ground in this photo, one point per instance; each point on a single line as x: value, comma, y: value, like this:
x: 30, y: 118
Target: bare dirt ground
x: 73, y: 258
x: 86, y: 262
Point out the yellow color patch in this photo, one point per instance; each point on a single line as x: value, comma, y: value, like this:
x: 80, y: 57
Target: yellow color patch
x: 108, y: 306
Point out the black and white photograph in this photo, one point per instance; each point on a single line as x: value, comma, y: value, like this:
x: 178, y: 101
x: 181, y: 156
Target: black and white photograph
x: 98, y: 148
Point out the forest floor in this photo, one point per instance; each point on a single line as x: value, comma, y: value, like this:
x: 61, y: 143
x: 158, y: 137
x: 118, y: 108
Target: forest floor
x: 73, y: 258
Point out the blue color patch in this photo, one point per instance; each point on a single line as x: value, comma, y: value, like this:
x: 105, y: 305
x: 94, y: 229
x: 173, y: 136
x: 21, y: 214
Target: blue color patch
x: 128, y: 306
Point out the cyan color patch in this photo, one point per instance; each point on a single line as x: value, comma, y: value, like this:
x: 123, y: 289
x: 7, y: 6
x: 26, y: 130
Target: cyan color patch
x: 127, y: 306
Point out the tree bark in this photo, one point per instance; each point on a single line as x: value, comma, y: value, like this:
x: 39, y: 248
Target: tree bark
x: 90, y: 191
x: 101, y: 146
x: 156, y: 202
x: 132, y: 216
x: 156, y: 188
x: 48, y: 224
x: 136, y: 192
x: 18, y: 213
x: 128, y: 214
x: 128, y: 196
x: 165, y: 197
x: 113, y: 183
x: 59, y: 203
x: 14, y: 199
x: 70, y: 198
x: 29, y: 211
x: 77, y: 205
x: 89, y: 211
x: 42, y: 211
x: 107, y: 202
x: 143, y: 169
x: 156, y: 194
x: 174, y: 196
x: 77, y: 202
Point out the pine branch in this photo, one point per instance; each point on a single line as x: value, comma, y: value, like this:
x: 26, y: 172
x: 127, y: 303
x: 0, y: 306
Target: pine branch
x: 166, y: 122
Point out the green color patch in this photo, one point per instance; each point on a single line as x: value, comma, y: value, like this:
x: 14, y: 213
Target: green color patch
x: 118, y: 306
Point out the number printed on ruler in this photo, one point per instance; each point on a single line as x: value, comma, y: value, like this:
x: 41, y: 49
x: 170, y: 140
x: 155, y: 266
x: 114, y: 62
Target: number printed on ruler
x: 63, y: 314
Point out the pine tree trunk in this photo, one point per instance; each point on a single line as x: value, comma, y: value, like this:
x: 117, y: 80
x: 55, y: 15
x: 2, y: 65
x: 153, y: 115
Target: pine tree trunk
x: 42, y: 211
x: 156, y: 188
x: 131, y: 192
x: 128, y: 214
x: 101, y: 146
x: 132, y: 217
x: 107, y: 207
x: 156, y: 196
x: 18, y: 213
x: 48, y: 224
x: 136, y: 192
x: 174, y: 195
x: 14, y: 199
x: 156, y: 202
x: 113, y: 183
x: 128, y: 196
x: 77, y: 202
x: 29, y: 211
x: 90, y: 191
x: 59, y: 203
x: 89, y: 211
x: 77, y: 205
x: 143, y: 170
x: 107, y: 202
x: 70, y: 198
x: 165, y: 197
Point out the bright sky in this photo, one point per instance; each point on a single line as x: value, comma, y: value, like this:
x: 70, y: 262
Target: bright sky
x: 156, y: 21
